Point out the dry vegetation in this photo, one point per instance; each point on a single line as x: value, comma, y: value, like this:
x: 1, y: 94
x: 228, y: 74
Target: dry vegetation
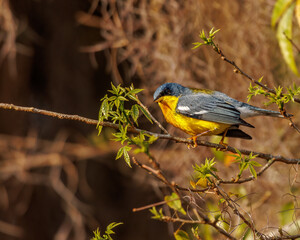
x: 62, y: 56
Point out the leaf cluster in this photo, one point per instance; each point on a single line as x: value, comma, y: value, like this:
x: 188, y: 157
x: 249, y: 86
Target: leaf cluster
x: 207, y: 40
x: 142, y: 141
x: 108, y: 232
x: 246, y: 162
x: 114, y: 108
x: 205, y: 173
x: 279, y: 97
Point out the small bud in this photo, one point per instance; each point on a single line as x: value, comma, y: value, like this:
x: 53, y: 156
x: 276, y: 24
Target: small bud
x: 223, y: 58
x: 290, y: 124
x: 235, y: 70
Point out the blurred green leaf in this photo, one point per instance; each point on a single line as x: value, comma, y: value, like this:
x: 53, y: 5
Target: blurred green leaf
x: 108, y: 232
x: 181, y: 235
x: 111, y: 226
x: 297, y: 12
x: 286, y: 213
x: 156, y: 214
x: 174, y: 202
x: 279, y: 8
x: 220, y: 155
x: 284, y: 30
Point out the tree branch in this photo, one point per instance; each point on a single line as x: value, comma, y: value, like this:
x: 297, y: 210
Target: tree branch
x: 266, y: 156
x: 262, y: 170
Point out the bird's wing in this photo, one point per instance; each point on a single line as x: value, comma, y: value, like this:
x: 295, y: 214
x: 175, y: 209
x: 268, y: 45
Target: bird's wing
x: 209, y: 108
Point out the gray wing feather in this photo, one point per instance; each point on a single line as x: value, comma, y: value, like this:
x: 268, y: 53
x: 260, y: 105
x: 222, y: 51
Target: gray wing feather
x: 209, y: 108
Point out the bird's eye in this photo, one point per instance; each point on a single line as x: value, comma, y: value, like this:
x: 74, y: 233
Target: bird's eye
x: 168, y: 92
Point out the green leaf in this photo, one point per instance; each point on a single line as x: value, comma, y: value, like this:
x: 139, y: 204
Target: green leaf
x: 284, y: 30
x: 120, y: 153
x: 195, y: 232
x: 111, y: 226
x: 99, y: 127
x: 156, y: 214
x: 174, y: 202
x: 123, y: 151
x: 197, y: 44
x: 135, y: 91
x: 97, y: 235
x: 145, y: 113
x: 114, y: 89
x: 279, y: 9
x: 104, y: 108
x: 135, y: 112
x: 252, y: 170
x: 121, y: 98
x: 126, y: 155
x: 297, y: 12
x: 181, y: 235
x: 256, y: 164
x: 286, y: 214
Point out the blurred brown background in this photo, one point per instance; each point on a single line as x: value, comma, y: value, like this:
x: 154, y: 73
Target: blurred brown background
x: 60, y: 181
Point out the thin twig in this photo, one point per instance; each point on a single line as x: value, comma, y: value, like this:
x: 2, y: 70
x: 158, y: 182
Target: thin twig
x: 205, y: 220
x: 159, y: 175
x: 232, y: 204
x: 151, y: 116
x: 292, y: 124
x: 156, y: 171
x: 266, y: 156
x: 292, y: 42
x: 262, y: 170
x: 291, y: 237
x: 150, y: 206
x: 237, y: 69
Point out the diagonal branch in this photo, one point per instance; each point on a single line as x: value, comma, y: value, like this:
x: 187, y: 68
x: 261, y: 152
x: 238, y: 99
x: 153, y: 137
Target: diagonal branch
x: 237, y: 69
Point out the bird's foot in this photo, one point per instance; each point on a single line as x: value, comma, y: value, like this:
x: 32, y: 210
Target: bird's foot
x: 194, y: 144
x: 224, y: 148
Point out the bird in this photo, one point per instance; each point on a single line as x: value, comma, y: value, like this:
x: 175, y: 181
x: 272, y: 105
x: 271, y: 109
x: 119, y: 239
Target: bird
x: 204, y: 112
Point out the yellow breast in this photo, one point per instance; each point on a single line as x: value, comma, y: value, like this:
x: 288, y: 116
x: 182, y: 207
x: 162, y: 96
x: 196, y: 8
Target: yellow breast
x: 189, y: 125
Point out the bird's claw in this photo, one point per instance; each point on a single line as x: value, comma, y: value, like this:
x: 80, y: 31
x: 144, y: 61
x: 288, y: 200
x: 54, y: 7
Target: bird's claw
x: 194, y: 144
x: 224, y: 148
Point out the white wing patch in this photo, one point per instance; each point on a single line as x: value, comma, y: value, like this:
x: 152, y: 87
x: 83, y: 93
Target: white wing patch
x: 201, y: 112
x: 184, y: 108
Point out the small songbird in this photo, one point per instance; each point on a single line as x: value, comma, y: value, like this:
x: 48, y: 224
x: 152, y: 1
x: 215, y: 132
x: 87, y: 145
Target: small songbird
x: 202, y: 112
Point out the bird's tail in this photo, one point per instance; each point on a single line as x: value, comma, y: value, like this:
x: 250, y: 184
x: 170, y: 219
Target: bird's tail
x: 237, y: 133
x: 270, y: 113
x: 266, y: 112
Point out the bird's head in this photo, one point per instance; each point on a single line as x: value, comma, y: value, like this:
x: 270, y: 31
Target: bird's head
x: 169, y: 89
